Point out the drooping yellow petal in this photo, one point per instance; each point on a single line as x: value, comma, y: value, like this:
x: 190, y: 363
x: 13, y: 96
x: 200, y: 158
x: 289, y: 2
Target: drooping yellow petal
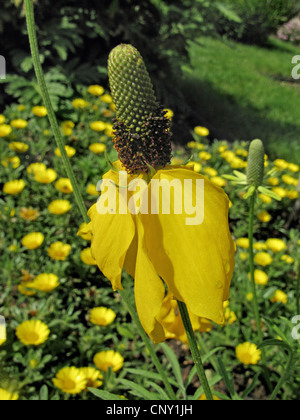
x: 112, y: 236
x: 195, y: 261
x: 149, y: 290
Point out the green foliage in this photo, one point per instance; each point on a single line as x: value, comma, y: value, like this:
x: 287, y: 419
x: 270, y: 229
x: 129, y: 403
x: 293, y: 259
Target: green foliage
x: 258, y: 18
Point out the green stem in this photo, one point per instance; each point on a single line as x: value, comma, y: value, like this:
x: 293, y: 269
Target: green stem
x: 194, y: 349
x: 298, y: 289
x: 47, y: 101
x: 148, y: 344
x: 253, y: 287
x: 252, y: 269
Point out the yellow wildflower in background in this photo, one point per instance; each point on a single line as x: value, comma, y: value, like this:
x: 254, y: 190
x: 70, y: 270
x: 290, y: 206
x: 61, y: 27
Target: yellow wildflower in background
x: 80, y: 103
x: 93, y: 377
x: 288, y: 259
x: 70, y: 380
x: 98, y: 125
x: 8, y: 396
x: 29, y: 214
x: 219, y: 181
x: 108, y: 359
x: 248, y: 353
x: 14, y: 187
x: 259, y: 246
x: 260, y: 277
x: 35, y: 167
x: 46, y: 176
x: 243, y: 243
x: 96, y: 90
x: 59, y: 207
x: 32, y: 333
x: 289, y: 180
x: 91, y: 189
x: 102, y: 316
x: 275, y: 245
x: 201, y: 131
x: 273, y: 181
x: 106, y: 98
x: 203, y: 398
x: 64, y: 185
x: 264, y: 216
x: 67, y: 127
x: 87, y: 258
x: 205, y: 155
x: 2, y: 119
x: 279, y: 191
x: 19, y: 123
x: 5, y: 130
x: 97, y: 148
x: 280, y: 297
x: 14, y: 161
x: 59, y: 251
x: 45, y: 282
x: 39, y: 111
x: 293, y: 167
x: 33, y: 240
x: 263, y: 258
x: 18, y: 146
x: 70, y: 151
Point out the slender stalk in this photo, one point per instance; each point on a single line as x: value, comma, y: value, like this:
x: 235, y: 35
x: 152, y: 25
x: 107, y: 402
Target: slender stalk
x: 148, y: 344
x: 47, y: 101
x: 298, y: 289
x: 194, y: 350
x: 80, y: 203
x: 251, y: 263
x: 253, y: 288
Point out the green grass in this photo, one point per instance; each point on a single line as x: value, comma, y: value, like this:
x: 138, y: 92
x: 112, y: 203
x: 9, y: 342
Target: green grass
x: 245, y: 92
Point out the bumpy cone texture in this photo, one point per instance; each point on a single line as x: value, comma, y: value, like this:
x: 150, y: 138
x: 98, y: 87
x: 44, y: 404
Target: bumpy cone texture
x: 130, y: 85
x: 141, y: 130
x: 256, y: 163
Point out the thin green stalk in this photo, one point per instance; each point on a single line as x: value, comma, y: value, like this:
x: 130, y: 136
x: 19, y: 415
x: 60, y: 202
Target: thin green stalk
x: 148, y: 344
x: 53, y: 121
x: 251, y: 263
x: 298, y: 289
x: 47, y: 101
x: 253, y: 287
x: 194, y: 350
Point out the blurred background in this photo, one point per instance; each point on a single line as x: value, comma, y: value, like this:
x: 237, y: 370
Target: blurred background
x: 226, y: 65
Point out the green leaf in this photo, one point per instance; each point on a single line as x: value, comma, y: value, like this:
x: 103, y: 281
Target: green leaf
x: 172, y: 358
x: 44, y: 394
x: 139, y: 390
x: 105, y: 395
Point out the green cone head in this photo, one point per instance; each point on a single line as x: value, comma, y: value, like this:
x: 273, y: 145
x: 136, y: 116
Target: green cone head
x: 141, y: 130
x: 256, y: 163
x: 130, y: 85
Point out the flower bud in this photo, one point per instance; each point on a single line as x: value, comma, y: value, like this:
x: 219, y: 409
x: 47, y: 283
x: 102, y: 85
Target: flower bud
x: 256, y: 163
